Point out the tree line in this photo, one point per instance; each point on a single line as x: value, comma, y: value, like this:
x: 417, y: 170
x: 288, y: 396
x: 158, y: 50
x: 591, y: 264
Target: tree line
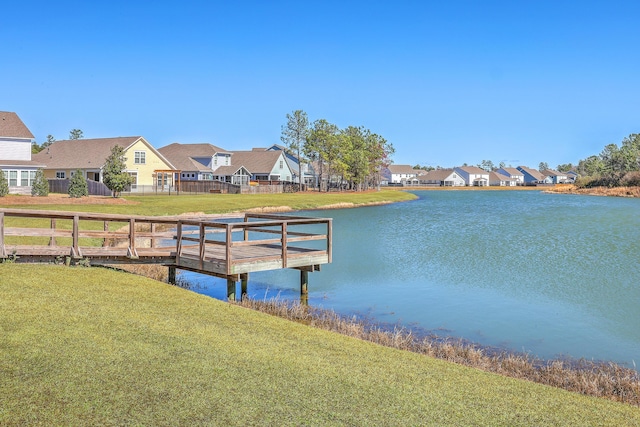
x: 350, y: 158
x: 614, y: 166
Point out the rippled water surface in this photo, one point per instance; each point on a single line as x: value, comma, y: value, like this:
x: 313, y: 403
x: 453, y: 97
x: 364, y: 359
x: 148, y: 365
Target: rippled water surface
x: 542, y: 273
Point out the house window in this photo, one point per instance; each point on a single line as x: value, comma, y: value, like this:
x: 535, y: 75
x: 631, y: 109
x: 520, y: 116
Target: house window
x: 281, y: 164
x: 134, y: 179
x: 226, y: 160
x: 215, y: 160
x: 13, y: 178
x: 139, y: 158
x: 61, y: 175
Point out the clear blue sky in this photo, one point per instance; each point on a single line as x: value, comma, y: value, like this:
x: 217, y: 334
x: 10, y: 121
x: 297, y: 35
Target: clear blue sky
x: 446, y: 82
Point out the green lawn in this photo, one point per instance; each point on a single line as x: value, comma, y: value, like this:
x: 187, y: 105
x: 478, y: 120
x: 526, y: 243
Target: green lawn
x: 221, y: 203
x: 89, y: 346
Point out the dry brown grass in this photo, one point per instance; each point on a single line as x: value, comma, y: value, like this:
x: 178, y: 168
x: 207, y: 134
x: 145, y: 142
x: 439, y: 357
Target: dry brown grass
x: 599, y: 379
x: 596, y: 191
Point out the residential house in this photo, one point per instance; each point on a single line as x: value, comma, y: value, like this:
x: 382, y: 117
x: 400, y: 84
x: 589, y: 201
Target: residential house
x: 473, y: 176
x: 572, y: 176
x: 403, y: 174
x: 308, y: 173
x: 442, y: 178
x: 148, y: 167
x: 204, y: 162
x: 556, y: 177
x: 512, y: 173
x: 533, y: 176
x: 499, y: 180
x: 264, y: 165
x: 15, y: 153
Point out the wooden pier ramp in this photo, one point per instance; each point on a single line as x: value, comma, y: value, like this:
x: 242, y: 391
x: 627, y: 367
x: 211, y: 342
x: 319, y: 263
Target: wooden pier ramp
x: 229, y: 247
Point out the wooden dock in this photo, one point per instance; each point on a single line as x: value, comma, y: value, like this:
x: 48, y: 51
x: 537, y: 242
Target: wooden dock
x: 229, y: 247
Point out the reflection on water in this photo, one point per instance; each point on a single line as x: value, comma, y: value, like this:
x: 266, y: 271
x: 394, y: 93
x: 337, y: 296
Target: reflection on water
x: 542, y: 273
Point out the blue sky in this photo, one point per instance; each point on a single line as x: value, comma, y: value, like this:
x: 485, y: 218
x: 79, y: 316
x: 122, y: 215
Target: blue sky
x: 446, y: 82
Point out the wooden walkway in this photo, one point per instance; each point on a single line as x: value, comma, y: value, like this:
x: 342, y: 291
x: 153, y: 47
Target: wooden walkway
x: 230, y: 247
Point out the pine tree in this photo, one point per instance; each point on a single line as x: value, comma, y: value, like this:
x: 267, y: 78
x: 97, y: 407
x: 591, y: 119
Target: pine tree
x: 78, y: 185
x: 40, y: 185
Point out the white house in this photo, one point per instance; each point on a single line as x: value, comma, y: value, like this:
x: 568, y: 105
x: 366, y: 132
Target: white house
x: 473, y: 176
x: 499, y: 180
x: 442, y: 178
x: 556, y: 177
x: 512, y: 173
x: 15, y: 153
x: 403, y: 174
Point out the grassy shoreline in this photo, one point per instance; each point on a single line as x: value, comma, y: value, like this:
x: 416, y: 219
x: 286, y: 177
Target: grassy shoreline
x: 101, y: 347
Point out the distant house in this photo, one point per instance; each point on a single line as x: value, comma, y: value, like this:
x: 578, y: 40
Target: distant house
x: 205, y: 162
x: 473, y: 176
x: 442, y: 178
x: 15, y: 153
x: 499, y: 180
x: 556, y: 177
x: 572, y: 176
x: 512, y: 173
x: 308, y: 173
x: 533, y: 176
x: 146, y: 166
x: 403, y: 174
x: 264, y: 165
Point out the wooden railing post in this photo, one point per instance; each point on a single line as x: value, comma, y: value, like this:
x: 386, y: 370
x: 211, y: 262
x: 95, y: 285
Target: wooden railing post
x: 246, y: 229
x: 178, y: 241
x: 203, y: 235
x: 105, y: 227
x: 284, y: 244
x: 3, y: 252
x: 76, y: 229
x: 229, y: 242
x: 329, y: 238
x: 132, y: 239
x: 52, y: 239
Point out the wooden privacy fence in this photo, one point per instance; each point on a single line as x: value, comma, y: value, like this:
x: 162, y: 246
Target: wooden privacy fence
x: 229, y: 247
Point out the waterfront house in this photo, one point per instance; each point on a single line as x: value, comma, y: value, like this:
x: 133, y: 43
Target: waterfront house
x: 204, y: 162
x: 572, y: 176
x: 442, y: 178
x: 555, y: 176
x: 264, y: 165
x: 148, y: 168
x: 308, y: 173
x: 403, y: 174
x: 499, y: 180
x: 512, y: 173
x: 473, y: 176
x: 533, y: 176
x: 15, y: 153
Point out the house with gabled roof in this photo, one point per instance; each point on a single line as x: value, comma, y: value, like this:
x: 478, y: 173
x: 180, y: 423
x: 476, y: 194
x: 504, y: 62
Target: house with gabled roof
x: 533, y: 176
x: 16, y: 161
x: 512, y: 173
x: 473, y: 176
x: 403, y: 174
x: 204, y: 162
x: 264, y: 165
x: 556, y: 177
x: 499, y: 180
x: 442, y: 178
x: 308, y: 173
x: 147, y: 167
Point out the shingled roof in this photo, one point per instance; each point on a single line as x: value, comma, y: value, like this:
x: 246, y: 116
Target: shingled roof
x: 257, y: 162
x: 181, y: 155
x: 81, y: 153
x: 12, y: 127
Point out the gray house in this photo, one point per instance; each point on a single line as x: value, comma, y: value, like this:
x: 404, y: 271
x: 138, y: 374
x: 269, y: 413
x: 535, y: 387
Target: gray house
x: 533, y: 176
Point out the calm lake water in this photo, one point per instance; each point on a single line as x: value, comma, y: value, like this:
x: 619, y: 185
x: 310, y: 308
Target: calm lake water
x: 551, y: 275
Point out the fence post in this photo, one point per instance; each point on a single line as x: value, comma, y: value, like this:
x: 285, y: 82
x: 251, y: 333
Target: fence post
x: 76, y: 229
x: 284, y: 244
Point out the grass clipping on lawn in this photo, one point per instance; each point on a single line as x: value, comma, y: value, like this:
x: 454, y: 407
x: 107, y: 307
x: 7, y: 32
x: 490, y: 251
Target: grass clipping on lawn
x: 86, y: 346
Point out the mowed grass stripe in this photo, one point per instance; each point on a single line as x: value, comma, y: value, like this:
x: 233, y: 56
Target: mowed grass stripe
x: 87, y: 346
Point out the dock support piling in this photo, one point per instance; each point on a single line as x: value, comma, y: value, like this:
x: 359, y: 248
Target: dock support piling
x: 231, y: 289
x: 244, y: 279
x: 171, y: 279
x: 304, y: 282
